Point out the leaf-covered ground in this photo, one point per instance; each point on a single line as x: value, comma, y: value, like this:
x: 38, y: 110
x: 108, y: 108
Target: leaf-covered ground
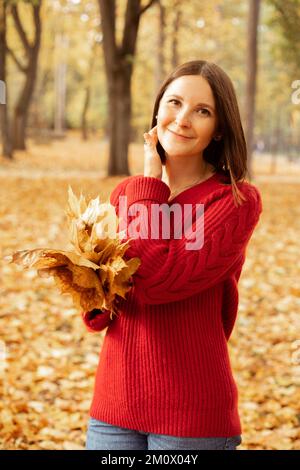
x: 47, y: 379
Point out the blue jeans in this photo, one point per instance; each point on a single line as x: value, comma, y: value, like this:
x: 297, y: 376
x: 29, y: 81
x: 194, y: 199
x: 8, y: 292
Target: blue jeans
x: 104, y: 436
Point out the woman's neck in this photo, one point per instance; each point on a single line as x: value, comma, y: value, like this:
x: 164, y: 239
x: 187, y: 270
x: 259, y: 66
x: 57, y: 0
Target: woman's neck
x: 182, y: 172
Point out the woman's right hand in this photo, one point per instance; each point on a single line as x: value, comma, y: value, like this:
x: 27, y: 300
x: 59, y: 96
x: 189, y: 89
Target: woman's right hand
x: 152, y: 161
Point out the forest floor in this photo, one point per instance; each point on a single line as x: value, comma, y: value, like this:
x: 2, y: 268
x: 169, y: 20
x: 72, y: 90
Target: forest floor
x: 48, y: 359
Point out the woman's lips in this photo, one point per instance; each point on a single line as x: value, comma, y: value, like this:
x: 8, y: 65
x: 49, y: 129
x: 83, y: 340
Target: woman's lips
x: 179, y: 137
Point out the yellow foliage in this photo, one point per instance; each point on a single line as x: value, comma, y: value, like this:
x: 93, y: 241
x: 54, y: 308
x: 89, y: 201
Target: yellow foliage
x: 96, y: 272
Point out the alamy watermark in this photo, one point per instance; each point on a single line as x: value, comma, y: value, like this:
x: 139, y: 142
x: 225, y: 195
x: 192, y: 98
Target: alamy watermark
x: 2, y: 92
x: 295, y: 356
x: 2, y: 356
x: 140, y: 221
x: 296, y: 94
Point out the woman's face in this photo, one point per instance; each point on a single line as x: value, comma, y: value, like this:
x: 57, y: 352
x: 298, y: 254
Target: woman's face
x: 187, y: 108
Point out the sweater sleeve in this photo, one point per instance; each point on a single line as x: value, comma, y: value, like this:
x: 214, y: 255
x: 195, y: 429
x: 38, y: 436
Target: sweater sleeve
x: 96, y: 320
x: 170, y: 272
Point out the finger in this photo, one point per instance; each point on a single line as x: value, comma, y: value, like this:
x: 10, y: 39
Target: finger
x: 148, y: 137
x: 150, y: 140
x: 151, y: 135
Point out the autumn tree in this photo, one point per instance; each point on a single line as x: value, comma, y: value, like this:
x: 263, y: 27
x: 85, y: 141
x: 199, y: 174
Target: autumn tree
x: 87, y: 89
x: 175, y: 33
x: 161, y: 44
x: 60, y: 72
x: 287, y: 17
x: 253, y: 19
x: 119, y: 62
x: 29, y: 68
x: 169, y: 11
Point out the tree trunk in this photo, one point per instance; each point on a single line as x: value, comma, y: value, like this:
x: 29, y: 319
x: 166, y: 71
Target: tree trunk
x: 161, y: 39
x: 119, y: 61
x: 7, y: 150
x: 61, y: 44
x: 87, y: 98
x: 22, y: 107
x: 119, y: 123
x: 253, y: 19
x: 276, y: 139
x: 175, y: 33
x: 87, y: 92
x: 30, y: 71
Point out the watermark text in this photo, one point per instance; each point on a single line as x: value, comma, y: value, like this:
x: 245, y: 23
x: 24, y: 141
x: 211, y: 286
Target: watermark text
x: 296, y: 94
x: 2, y: 92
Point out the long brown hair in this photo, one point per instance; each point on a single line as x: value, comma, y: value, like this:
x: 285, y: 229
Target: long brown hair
x: 229, y: 154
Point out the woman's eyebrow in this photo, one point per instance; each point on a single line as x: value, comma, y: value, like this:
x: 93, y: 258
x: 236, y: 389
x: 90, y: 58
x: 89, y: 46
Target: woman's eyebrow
x: 202, y: 104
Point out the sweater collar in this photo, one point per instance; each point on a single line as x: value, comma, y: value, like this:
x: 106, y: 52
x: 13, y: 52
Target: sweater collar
x: 204, y: 186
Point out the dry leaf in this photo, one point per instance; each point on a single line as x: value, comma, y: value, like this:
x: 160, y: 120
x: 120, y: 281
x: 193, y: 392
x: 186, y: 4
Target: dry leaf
x: 96, y: 272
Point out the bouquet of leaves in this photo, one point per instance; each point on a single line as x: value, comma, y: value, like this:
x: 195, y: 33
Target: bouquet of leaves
x: 95, y: 273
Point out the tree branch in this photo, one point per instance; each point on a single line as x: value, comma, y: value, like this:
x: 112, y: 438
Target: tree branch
x: 16, y: 60
x: 145, y: 7
x: 37, y: 21
x: 108, y: 20
x: 19, y: 27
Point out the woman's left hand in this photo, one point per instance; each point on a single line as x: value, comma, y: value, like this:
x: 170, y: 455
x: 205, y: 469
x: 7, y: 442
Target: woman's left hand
x: 152, y: 161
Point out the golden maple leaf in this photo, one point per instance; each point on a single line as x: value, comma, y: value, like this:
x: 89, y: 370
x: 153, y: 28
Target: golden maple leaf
x: 96, y: 272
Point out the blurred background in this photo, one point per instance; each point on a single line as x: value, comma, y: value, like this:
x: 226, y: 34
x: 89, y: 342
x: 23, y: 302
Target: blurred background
x: 78, y: 80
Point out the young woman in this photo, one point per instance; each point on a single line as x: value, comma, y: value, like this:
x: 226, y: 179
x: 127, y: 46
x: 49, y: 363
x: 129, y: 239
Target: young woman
x: 164, y: 379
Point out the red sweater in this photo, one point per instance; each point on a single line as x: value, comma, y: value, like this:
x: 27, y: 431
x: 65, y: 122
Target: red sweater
x: 164, y: 366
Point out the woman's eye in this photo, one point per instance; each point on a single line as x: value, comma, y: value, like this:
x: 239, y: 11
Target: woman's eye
x: 205, y: 111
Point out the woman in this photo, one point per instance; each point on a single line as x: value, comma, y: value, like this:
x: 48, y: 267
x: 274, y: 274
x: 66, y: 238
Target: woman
x: 164, y: 380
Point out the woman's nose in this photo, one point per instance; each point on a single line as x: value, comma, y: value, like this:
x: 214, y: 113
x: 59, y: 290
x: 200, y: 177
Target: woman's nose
x: 183, y: 118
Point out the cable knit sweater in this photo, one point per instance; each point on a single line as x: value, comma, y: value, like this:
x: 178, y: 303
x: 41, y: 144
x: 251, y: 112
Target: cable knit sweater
x: 164, y: 366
